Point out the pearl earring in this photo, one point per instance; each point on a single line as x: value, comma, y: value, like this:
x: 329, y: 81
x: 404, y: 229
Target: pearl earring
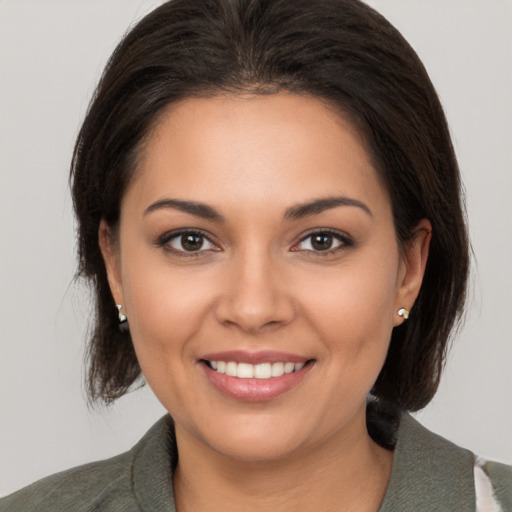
x: 404, y: 313
x: 123, y: 320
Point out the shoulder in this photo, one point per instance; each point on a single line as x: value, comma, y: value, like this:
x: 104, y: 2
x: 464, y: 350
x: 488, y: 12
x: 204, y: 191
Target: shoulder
x: 110, y: 485
x: 500, y: 477
x: 432, y: 473
x: 81, y: 489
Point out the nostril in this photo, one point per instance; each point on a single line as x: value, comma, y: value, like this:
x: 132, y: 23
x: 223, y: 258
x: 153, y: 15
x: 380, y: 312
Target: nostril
x: 253, y: 307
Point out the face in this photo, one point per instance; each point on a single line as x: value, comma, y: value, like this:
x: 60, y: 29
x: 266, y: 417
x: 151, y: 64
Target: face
x: 259, y: 270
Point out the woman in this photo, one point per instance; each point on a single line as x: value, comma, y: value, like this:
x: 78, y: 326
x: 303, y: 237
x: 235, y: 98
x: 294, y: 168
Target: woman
x: 269, y: 210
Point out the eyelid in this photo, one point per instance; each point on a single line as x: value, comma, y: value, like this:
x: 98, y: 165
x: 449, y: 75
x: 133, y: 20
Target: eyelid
x: 346, y: 241
x: 164, y: 240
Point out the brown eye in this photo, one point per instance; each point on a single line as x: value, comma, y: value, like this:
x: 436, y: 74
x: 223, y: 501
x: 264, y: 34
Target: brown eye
x: 321, y: 241
x: 192, y: 242
x: 187, y: 241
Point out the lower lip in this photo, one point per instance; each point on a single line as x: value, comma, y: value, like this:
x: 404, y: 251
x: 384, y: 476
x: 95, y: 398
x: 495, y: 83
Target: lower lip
x: 255, y: 390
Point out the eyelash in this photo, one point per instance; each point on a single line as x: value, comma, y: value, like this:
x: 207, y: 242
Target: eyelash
x: 166, y: 238
x: 164, y: 241
x: 345, y: 242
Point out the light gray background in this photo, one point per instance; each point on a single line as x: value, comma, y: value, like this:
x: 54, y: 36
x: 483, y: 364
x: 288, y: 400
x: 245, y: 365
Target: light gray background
x: 51, y: 54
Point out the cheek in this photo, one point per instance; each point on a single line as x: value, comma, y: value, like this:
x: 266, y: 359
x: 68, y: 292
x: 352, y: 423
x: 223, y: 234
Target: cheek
x: 352, y: 308
x: 166, y: 312
x: 164, y: 306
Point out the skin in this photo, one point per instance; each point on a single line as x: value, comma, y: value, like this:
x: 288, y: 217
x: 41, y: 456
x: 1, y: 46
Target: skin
x: 259, y: 284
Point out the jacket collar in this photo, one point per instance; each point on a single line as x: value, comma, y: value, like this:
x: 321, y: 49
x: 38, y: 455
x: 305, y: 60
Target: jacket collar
x: 429, y: 472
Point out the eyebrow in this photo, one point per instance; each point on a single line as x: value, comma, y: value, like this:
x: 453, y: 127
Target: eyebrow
x: 293, y: 213
x: 198, y: 209
x: 320, y: 205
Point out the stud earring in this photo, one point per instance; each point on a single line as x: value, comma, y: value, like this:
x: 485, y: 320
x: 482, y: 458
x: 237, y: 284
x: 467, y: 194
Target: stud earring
x: 123, y: 320
x: 404, y: 313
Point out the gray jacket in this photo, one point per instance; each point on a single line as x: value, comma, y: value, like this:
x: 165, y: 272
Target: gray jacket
x: 429, y: 474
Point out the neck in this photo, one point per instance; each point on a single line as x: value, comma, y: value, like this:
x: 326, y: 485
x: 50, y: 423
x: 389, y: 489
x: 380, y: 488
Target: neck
x: 346, y: 472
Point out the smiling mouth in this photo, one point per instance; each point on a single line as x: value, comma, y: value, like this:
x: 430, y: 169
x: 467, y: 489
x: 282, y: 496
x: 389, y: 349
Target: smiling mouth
x: 255, y: 377
x: 254, y: 371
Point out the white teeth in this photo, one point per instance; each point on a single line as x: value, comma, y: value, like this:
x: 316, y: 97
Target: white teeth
x: 231, y: 369
x: 289, y: 367
x: 258, y: 371
x: 263, y: 371
x: 245, y: 371
x: 277, y: 369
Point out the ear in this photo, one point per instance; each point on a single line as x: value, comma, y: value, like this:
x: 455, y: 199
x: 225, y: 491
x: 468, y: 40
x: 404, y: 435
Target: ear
x: 110, y: 251
x: 412, y: 268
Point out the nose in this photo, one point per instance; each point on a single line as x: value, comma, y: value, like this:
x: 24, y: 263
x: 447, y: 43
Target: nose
x: 256, y: 296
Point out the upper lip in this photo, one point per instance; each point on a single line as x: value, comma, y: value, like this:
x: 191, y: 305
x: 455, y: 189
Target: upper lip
x: 262, y: 356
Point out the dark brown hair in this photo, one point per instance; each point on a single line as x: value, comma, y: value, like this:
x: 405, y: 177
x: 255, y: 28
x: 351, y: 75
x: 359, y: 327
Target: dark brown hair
x: 341, y: 51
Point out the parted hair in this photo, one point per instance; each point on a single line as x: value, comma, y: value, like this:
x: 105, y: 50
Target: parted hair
x: 341, y: 51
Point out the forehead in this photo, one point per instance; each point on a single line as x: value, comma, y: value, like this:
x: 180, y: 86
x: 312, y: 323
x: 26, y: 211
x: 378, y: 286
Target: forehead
x: 256, y: 149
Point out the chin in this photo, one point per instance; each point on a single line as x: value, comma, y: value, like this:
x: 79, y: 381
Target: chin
x: 255, y: 446
x: 258, y: 436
